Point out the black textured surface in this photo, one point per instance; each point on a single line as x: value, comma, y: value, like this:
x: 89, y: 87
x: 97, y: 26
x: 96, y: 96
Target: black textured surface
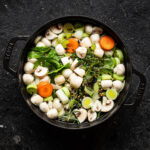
x: 21, y: 129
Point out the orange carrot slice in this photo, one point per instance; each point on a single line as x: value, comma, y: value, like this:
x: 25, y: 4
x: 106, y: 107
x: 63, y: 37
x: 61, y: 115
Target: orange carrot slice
x: 106, y: 42
x: 44, y: 89
x: 72, y: 46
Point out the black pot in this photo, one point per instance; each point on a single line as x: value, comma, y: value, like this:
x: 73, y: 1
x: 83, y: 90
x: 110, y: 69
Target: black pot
x: 120, y: 100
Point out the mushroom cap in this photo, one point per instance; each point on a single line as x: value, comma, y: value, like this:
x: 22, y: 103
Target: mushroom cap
x: 40, y: 44
x: 81, y: 52
x: 106, y: 84
x: 36, y: 99
x: 107, y: 105
x: 81, y: 114
x: 79, y: 71
x: 118, y: 85
x: 66, y: 73
x: 52, y: 113
x: 97, y: 106
x: 41, y: 71
x: 88, y: 28
x: 119, y: 69
x: 32, y: 60
x: 91, y: 115
x: 50, y: 35
x: 46, y: 42
x: 59, y: 79
x: 78, y: 34
x: 60, y: 49
x: 57, y: 104
x: 28, y: 67
x: 97, y: 30
x: 57, y: 29
x: 28, y: 78
x: 44, y: 107
x: 46, y: 78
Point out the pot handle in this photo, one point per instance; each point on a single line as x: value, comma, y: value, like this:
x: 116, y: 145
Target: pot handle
x: 8, y: 53
x: 140, y: 92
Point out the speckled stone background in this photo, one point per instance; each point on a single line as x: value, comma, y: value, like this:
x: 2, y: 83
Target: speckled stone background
x: 20, y: 129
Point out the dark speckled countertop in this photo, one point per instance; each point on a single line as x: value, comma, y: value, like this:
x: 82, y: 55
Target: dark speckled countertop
x: 20, y: 129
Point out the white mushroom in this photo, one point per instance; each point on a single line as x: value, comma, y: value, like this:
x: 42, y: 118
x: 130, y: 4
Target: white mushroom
x: 91, y: 115
x: 81, y: 52
x: 66, y: 73
x: 109, y: 53
x: 81, y: 114
x: 57, y: 29
x: 88, y: 28
x: 28, y: 78
x: 60, y: 50
x: 50, y: 35
x: 96, y: 106
x: 66, y: 60
x: 74, y: 64
x: 46, y: 78
x: 37, y: 39
x: 79, y: 71
x: 41, y: 71
x: 54, y: 42
x: 44, y: 107
x: 78, y: 34
x: 118, y: 85
x: 32, y: 60
x: 94, y: 38
x: 75, y: 81
x: 40, y: 44
x: 107, y: 105
x: 50, y: 104
x: 59, y: 79
x: 119, y: 69
x: 86, y: 42
x: 29, y: 67
x: 57, y: 104
x: 97, y: 30
x: 106, y: 84
x: 52, y: 113
x: 36, y: 99
x: 61, y: 95
x: 56, y: 87
x: 46, y: 42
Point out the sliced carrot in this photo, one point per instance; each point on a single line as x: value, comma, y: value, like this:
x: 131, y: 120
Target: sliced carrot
x: 44, y: 89
x: 106, y: 42
x: 72, y: 46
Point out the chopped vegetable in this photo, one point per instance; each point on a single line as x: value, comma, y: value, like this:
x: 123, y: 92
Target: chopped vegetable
x: 106, y: 42
x: 47, y: 99
x: 106, y: 77
x: 66, y: 91
x: 117, y: 77
x: 119, y: 54
x: 31, y: 88
x: 111, y: 94
x: 72, y: 46
x: 45, y: 89
x: 87, y: 102
x: 68, y: 28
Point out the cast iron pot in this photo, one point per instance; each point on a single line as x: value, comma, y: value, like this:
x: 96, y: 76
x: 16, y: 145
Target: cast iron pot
x: 30, y: 39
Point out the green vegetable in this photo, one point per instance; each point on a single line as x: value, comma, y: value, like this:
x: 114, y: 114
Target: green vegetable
x: 68, y: 117
x: 98, y: 115
x: 41, y: 49
x: 111, y: 94
x: 109, y: 62
x: 68, y: 28
x: 106, y: 77
x: 117, y: 61
x: 31, y: 88
x: 73, y: 103
x: 95, y: 96
x: 117, y: 77
x: 85, y: 35
x: 109, y: 53
x: 66, y: 91
x: 78, y: 25
x: 59, y: 69
x: 93, y: 47
x: 47, y: 99
x: 96, y: 87
x: 33, y: 54
x: 87, y: 102
x: 119, y: 54
x: 88, y: 91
